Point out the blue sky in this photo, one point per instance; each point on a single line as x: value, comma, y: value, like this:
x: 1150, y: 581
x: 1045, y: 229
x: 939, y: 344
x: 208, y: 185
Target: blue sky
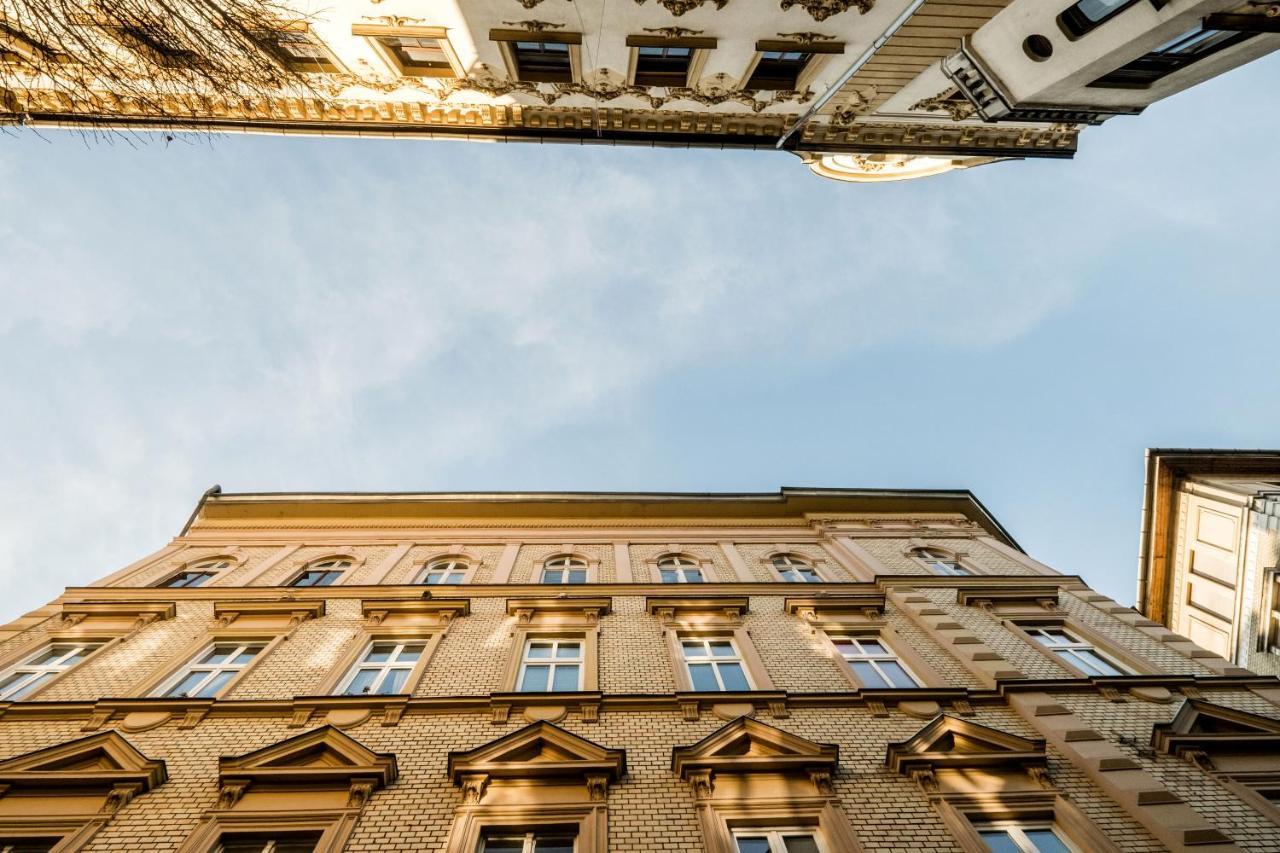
x: 288, y: 313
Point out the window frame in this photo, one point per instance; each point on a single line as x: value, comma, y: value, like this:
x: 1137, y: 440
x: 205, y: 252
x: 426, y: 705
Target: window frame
x: 1076, y: 25
x: 1173, y: 63
x: 589, y: 568
x: 374, y: 33
x: 1016, y: 830
x: 529, y: 840
x: 834, y: 636
x: 424, y: 567
x: 819, y: 54
x: 714, y: 661
x: 194, y: 663
x: 927, y: 555
x: 24, y: 658
x: 571, y: 618
x: 1100, y: 646
x: 553, y: 662
x: 780, y: 832
x: 344, y: 566
x: 326, y: 64
x: 681, y: 565
x: 699, y: 50
x: 506, y: 41
x: 793, y: 561
x: 413, y: 672
x: 169, y: 673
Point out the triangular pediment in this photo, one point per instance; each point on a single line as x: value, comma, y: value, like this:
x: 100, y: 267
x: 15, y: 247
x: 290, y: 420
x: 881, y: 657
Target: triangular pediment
x: 746, y: 745
x: 952, y: 742
x: 322, y: 756
x: 101, y: 760
x: 1206, y: 727
x: 538, y: 750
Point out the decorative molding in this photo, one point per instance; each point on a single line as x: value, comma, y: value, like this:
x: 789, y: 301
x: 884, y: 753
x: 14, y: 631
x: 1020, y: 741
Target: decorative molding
x: 673, y: 32
x: 955, y: 744
x: 679, y: 7
x: 540, y: 750
x: 321, y: 758
x: 804, y: 39
x: 820, y: 10
x: 534, y: 26
x: 945, y: 101
x: 747, y: 746
x: 393, y: 20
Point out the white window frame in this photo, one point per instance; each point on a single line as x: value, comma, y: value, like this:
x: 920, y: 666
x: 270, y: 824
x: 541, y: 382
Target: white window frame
x: 785, y: 564
x: 775, y: 837
x: 39, y: 671
x: 211, y: 670
x: 329, y: 565
x: 385, y: 668
x: 681, y: 566
x: 1068, y: 652
x: 566, y: 563
x: 715, y: 660
x: 939, y: 563
x: 553, y: 662
x: 268, y: 846
x: 530, y: 839
x: 874, y: 660
x: 1016, y: 830
x: 446, y: 566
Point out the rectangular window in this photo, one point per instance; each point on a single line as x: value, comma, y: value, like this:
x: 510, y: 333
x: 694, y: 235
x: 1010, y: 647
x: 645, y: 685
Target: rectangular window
x: 1022, y: 838
x: 299, y: 51
x: 778, y: 70
x: 550, y: 666
x: 1085, y: 15
x: 714, y: 664
x: 187, y: 579
x: 1074, y: 651
x: 528, y: 842
x: 276, y: 842
x: 384, y: 668
x: 543, y: 61
x: 316, y: 577
x: 29, y: 845
x: 777, y: 841
x: 418, y: 56
x: 564, y: 570
x: 663, y: 65
x: 874, y: 665
x: 211, y: 670
x: 42, y: 667
x: 1173, y: 55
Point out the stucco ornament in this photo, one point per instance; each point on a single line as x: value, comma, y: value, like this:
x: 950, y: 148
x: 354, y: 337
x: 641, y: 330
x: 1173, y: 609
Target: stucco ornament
x: 679, y: 7
x: 820, y: 10
x: 958, y: 109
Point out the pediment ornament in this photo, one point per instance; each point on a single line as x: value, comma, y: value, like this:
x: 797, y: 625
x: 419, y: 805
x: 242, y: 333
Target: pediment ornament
x: 746, y: 746
x: 1200, y: 729
x: 104, y: 762
x: 324, y: 757
x: 951, y: 743
x: 539, y: 750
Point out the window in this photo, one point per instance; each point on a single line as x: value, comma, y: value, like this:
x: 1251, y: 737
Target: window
x: 293, y: 842
x: 1073, y: 651
x: 444, y: 570
x: 1173, y: 55
x: 777, y: 841
x: 298, y: 50
x: 42, y: 667
x: 529, y: 842
x: 550, y: 665
x: 941, y: 563
x: 418, y: 56
x: 1086, y: 15
x: 793, y: 569
x: 197, y: 574
x: 874, y: 665
x: 212, y: 670
x: 1271, y: 637
x: 675, y: 568
x: 543, y: 61
x: 384, y: 668
x: 663, y: 65
x: 28, y: 845
x: 1022, y: 838
x: 714, y: 664
x: 322, y: 573
x: 564, y: 570
x: 778, y: 70
x: 153, y: 42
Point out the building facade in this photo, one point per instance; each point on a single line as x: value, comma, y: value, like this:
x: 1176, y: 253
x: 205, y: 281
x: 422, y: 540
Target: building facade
x: 860, y: 90
x: 811, y: 670
x: 1210, y: 551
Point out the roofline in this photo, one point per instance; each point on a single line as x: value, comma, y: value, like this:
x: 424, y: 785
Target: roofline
x: 215, y: 494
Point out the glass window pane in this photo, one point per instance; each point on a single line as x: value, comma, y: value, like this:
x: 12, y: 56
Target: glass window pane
x: 394, y: 682
x: 1046, y: 841
x: 1093, y: 663
x: 457, y: 577
x: 539, y: 650
x: 873, y: 647
x: 566, y: 677
x: 49, y: 655
x: 722, y: 649
x: 12, y: 681
x: 733, y: 676
x: 187, y: 684
x: 702, y: 677
x: 556, y: 844
x: 578, y: 576
x: 535, y: 679
x: 32, y: 685
x: 247, y: 655
x: 753, y: 844
x: 503, y: 845
x: 867, y: 674
x: 693, y: 648
x: 999, y: 841
x: 669, y: 576
x: 410, y: 653
x: 800, y: 844
x: 218, y: 654
x: 551, y: 576
x: 362, y: 683
x: 215, y: 684
x: 693, y: 575
x: 568, y: 650
x: 379, y: 652
x: 896, y: 674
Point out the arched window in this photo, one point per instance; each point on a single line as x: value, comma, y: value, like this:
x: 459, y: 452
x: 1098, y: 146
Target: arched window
x: 678, y: 568
x: 444, y: 570
x: 322, y: 572
x: 197, y: 573
x: 941, y: 562
x: 564, y: 569
x: 793, y: 569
